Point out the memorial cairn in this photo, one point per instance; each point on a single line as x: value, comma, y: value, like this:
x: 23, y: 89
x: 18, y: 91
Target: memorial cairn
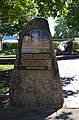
x: 35, y: 82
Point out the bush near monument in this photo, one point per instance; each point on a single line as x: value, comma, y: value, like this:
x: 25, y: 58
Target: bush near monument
x: 76, y: 46
x: 9, y: 46
x: 9, y: 49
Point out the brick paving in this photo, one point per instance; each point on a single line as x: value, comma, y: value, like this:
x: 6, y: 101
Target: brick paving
x: 69, y: 74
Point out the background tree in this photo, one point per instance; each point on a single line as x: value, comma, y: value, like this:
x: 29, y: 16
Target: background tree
x: 62, y: 30
x: 66, y: 12
x: 49, y: 8
x: 14, y: 14
x: 73, y: 15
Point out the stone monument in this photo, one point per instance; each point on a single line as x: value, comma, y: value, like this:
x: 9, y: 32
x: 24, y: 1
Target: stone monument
x: 35, y: 82
x: 65, y: 48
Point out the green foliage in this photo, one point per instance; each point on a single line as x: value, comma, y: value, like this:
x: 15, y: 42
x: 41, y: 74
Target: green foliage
x: 14, y: 14
x: 47, y: 8
x: 9, y: 46
x: 55, y: 45
x: 6, y: 68
x: 12, y: 10
x: 62, y: 30
x: 73, y: 15
x: 66, y: 9
x: 75, y: 46
x: 9, y: 49
x: 5, y: 75
x: 8, y: 52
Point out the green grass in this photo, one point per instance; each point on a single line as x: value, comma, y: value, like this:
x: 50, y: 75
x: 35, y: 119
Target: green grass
x: 5, y: 75
x: 8, y: 53
x: 6, y: 67
x: 6, y: 70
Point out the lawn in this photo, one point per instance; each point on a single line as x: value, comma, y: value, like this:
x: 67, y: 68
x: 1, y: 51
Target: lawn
x: 8, y: 53
x: 5, y: 75
x: 6, y: 70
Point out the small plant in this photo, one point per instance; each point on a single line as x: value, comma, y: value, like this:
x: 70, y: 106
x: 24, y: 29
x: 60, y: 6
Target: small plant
x: 55, y: 44
x: 5, y: 75
x: 75, y: 45
x: 9, y: 46
x: 11, y: 52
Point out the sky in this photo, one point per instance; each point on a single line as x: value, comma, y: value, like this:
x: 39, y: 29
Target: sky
x: 10, y: 39
x: 52, y: 24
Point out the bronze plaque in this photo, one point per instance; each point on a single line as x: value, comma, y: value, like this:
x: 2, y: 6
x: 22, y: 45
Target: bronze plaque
x: 35, y: 56
x: 35, y: 61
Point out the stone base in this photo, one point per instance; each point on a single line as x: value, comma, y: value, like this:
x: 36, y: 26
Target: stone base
x: 35, y: 88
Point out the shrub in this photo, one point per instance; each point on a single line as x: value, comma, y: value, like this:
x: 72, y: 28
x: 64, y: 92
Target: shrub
x: 9, y: 46
x: 55, y: 45
x: 75, y: 46
x: 10, y: 52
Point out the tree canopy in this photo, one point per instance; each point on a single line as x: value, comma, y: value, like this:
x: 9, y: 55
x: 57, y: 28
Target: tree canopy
x: 62, y: 30
x: 67, y: 13
x: 68, y: 24
x: 73, y: 15
x: 14, y: 14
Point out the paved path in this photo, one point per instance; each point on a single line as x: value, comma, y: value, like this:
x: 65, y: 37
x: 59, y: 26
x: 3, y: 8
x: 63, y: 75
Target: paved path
x: 69, y: 73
